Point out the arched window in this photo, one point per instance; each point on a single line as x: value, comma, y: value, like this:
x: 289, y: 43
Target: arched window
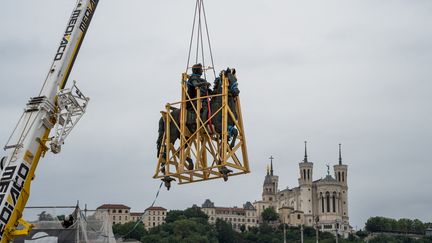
x: 334, y: 202
x: 304, y: 174
x: 343, y: 176
x: 298, y: 216
x: 308, y: 174
x: 322, y: 202
x: 339, y: 178
x: 328, y: 201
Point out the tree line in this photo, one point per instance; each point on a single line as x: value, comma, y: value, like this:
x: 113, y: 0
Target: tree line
x: 191, y: 226
x: 382, y: 224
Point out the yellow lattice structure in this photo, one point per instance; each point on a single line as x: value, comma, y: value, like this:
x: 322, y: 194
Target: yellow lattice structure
x: 213, y: 155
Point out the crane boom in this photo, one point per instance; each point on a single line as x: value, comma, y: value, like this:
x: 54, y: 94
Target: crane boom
x: 50, y: 109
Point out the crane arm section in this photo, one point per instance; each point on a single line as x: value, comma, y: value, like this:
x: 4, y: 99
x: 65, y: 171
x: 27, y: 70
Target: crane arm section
x: 28, y: 141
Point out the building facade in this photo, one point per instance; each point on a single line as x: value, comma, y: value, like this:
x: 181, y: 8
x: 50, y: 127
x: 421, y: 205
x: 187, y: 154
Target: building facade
x: 247, y: 215
x: 154, y: 216
x: 121, y: 214
x: 321, y: 203
x: 118, y: 213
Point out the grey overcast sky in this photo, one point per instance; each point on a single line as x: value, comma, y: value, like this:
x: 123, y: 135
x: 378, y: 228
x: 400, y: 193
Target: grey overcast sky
x: 355, y: 72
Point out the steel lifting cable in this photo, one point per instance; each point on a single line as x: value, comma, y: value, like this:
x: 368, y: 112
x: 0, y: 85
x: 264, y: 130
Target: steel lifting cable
x: 208, y: 38
x: 200, y: 12
x: 191, y: 39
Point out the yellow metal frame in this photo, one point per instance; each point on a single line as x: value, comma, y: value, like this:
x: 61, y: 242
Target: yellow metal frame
x: 210, y: 152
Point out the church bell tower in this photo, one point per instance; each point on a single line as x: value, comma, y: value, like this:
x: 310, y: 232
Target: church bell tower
x: 270, y: 185
x: 341, y: 175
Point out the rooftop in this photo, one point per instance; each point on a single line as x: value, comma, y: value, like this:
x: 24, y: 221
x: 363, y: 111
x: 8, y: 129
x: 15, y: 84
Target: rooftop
x: 113, y: 206
x: 156, y: 208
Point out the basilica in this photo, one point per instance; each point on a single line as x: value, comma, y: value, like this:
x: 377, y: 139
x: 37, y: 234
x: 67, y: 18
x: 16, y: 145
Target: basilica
x: 321, y: 203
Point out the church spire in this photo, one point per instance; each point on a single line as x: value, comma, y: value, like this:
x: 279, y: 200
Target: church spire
x: 271, y: 165
x: 305, y: 160
x: 340, y: 154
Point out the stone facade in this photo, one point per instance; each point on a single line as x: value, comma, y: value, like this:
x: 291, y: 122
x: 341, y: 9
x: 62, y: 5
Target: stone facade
x: 321, y: 203
x: 247, y: 215
x: 154, y: 216
x: 118, y: 213
x: 121, y: 214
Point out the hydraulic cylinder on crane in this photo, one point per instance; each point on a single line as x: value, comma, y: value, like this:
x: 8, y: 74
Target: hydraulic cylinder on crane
x: 54, y: 108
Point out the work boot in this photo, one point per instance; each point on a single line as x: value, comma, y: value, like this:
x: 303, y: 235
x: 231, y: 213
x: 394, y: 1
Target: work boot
x: 190, y: 165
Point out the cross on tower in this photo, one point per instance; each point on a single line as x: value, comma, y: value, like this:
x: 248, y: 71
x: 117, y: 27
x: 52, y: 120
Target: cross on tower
x: 271, y: 164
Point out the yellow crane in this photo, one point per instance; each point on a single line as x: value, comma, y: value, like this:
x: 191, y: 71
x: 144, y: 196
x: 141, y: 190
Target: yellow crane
x: 55, y: 110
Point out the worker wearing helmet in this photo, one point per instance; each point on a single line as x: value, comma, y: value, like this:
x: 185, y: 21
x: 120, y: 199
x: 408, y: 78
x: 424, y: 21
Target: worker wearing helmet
x: 195, y: 81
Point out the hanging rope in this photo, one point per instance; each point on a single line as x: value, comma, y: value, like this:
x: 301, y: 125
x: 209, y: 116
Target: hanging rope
x: 208, y: 39
x: 140, y: 220
x: 191, y: 39
x: 200, y: 22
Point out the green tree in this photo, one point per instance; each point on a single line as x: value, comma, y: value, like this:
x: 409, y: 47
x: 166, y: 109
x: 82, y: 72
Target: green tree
x: 195, y: 212
x: 130, y: 230
x: 174, y: 215
x: 418, y: 226
x: 44, y: 216
x: 182, y: 230
x: 225, y: 233
x: 61, y: 217
x: 242, y: 228
x: 269, y: 214
x: 404, y: 225
x: 362, y: 234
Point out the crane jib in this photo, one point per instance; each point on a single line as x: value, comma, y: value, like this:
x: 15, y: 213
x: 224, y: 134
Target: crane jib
x: 88, y: 15
x: 66, y: 36
x: 71, y: 25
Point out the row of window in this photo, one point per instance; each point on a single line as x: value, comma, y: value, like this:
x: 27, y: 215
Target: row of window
x: 118, y: 211
x: 154, y: 223
x: 235, y: 219
x: 249, y: 214
x: 228, y: 212
x: 158, y: 218
x: 341, y: 177
x: 158, y: 212
x: 325, y: 202
x: 334, y: 226
x: 119, y: 217
x: 306, y: 174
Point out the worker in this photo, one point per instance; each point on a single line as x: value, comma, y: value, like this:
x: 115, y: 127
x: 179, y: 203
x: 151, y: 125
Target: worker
x: 195, y: 81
